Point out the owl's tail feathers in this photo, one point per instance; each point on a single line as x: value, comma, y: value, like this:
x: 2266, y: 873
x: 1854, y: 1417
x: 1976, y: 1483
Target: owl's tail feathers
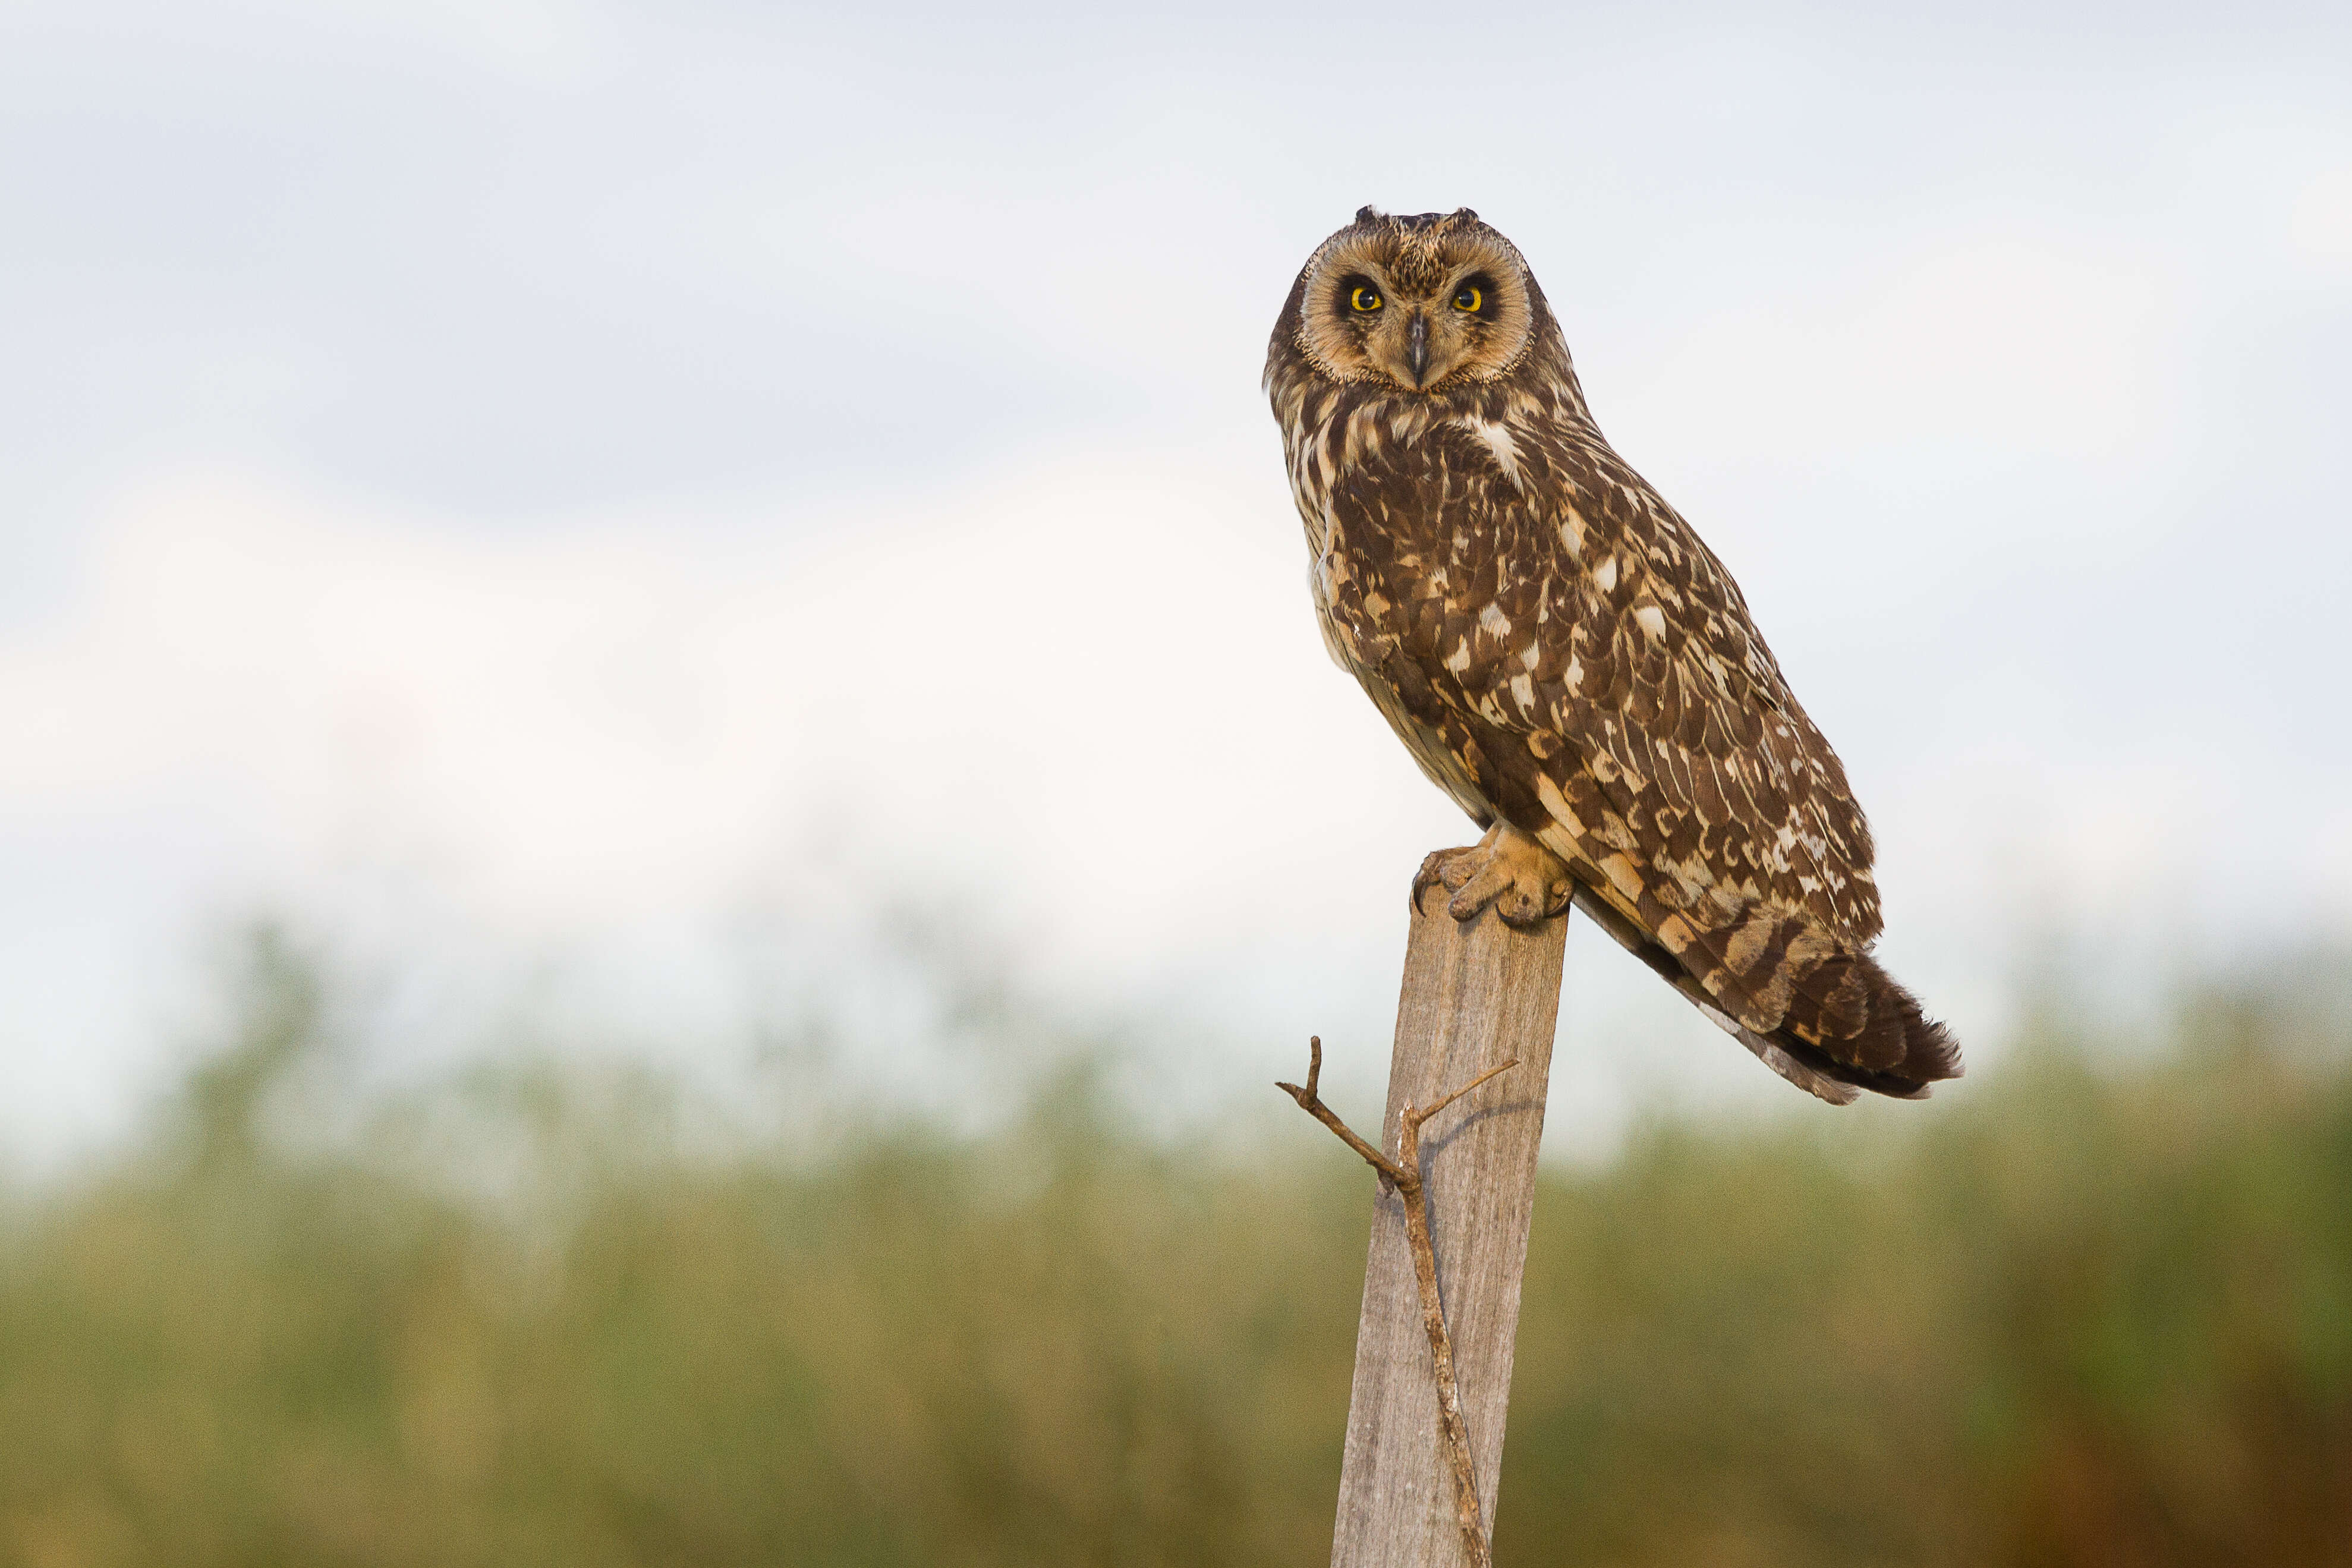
x: 1827, y: 1018
x: 1852, y: 1022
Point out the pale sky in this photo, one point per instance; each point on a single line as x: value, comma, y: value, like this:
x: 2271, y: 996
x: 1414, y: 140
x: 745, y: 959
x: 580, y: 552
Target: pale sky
x: 554, y: 488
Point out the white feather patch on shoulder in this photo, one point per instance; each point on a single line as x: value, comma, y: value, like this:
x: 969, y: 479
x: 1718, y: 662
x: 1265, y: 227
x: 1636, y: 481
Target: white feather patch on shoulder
x: 1498, y: 440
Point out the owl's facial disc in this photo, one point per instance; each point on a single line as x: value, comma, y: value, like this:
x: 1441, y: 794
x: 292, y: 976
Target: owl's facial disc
x: 1422, y: 305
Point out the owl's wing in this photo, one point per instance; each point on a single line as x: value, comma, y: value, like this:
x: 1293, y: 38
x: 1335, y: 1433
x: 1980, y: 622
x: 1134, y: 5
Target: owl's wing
x: 1687, y: 723
x: 1593, y: 665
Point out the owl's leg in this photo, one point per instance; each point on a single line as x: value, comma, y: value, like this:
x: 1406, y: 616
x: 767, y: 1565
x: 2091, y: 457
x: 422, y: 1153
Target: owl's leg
x: 1526, y: 882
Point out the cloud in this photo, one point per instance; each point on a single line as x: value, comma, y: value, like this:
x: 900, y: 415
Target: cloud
x: 1098, y: 678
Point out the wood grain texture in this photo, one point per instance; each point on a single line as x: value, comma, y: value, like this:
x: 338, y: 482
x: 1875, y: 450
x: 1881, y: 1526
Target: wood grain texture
x: 1475, y: 992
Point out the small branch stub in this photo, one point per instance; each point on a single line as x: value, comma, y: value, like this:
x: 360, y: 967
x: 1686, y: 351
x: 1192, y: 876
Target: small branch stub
x: 1312, y: 1103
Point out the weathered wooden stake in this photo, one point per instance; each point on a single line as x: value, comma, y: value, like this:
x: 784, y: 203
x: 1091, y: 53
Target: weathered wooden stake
x: 1477, y: 994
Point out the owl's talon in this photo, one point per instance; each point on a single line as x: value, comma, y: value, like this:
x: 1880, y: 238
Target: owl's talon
x: 1448, y: 868
x: 1523, y: 882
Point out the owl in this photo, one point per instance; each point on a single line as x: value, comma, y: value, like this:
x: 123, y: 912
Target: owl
x: 1563, y: 655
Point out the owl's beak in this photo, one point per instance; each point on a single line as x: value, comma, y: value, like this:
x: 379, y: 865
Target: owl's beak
x: 1416, y: 347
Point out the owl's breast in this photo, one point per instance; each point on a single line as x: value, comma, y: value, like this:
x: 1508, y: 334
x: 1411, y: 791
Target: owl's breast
x: 1314, y: 477
x: 1363, y: 517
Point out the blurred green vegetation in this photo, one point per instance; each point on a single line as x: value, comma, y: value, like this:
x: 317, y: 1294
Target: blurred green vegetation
x: 2095, y: 1308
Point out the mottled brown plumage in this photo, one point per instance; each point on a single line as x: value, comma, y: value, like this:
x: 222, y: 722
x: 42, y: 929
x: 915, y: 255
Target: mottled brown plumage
x: 1564, y: 657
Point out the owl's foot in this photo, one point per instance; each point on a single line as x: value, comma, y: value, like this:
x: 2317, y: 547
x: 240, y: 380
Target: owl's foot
x: 1524, y: 882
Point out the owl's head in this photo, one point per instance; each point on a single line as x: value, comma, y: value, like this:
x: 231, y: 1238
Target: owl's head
x: 1428, y: 303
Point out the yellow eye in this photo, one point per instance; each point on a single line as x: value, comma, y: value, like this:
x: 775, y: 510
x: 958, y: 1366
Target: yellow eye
x: 1469, y: 298
x: 1364, y: 298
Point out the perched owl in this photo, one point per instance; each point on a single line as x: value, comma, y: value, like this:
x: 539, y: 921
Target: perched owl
x: 1564, y: 657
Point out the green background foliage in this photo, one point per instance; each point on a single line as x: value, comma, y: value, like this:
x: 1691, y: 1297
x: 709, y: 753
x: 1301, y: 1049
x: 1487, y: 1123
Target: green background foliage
x: 2093, y: 1308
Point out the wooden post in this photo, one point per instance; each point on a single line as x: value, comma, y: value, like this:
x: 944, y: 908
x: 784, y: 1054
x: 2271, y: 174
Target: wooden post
x: 1476, y: 994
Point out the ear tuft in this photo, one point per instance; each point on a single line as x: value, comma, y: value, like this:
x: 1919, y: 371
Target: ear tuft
x: 1367, y: 213
x: 1466, y: 214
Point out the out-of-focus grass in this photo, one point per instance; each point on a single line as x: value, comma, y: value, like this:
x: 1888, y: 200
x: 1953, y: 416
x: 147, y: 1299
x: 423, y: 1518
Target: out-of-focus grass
x: 2078, y: 1315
